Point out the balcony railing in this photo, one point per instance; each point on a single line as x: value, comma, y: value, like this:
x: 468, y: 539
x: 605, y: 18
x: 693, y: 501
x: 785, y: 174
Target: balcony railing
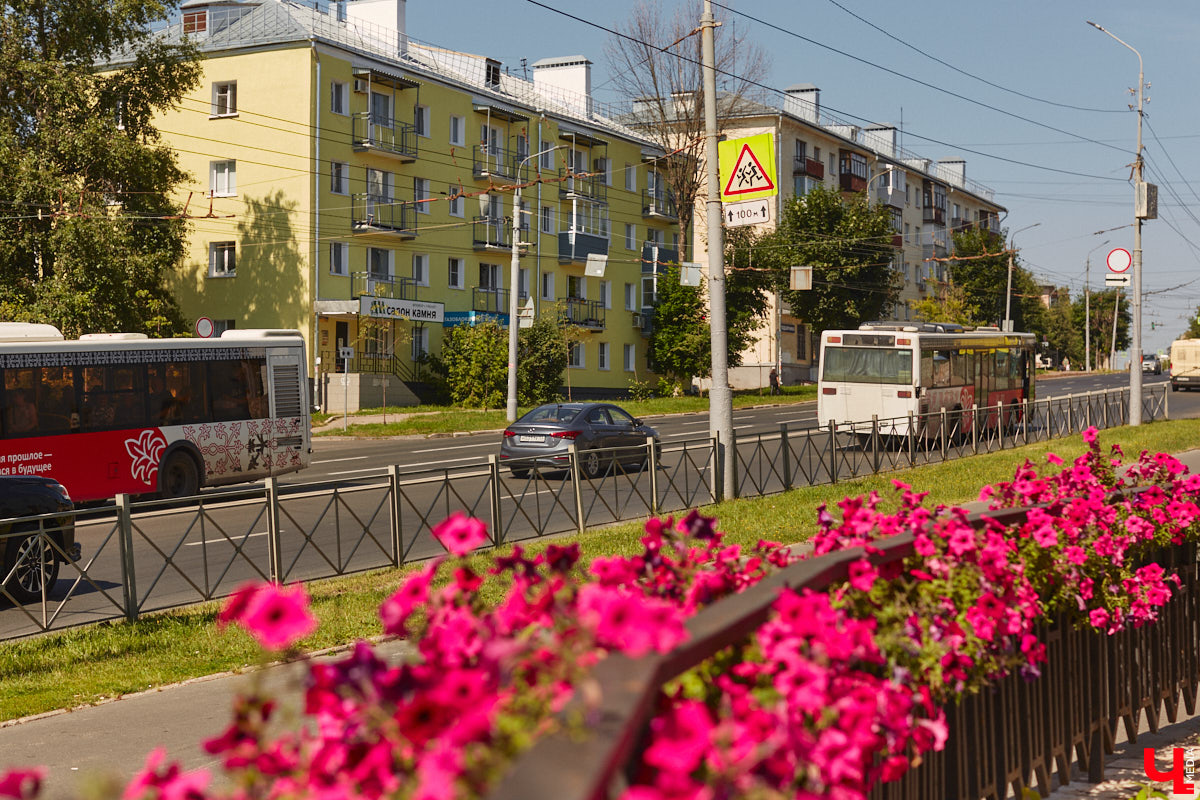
x: 493, y: 301
x: 934, y: 214
x: 495, y: 162
x: 659, y: 204
x: 575, y: 246
x: 590, y: 186
x: 850, y: 182
x: 890, y: 195
x: 389, y: 136
x: 491, y: 233
x: 373, y: 284
x: 655, y: 256
x: 373, y: 214
x: 814, y: 169
x: 587, y: 314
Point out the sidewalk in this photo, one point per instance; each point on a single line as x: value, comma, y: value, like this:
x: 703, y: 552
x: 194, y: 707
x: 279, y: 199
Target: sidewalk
x: 110, y: 741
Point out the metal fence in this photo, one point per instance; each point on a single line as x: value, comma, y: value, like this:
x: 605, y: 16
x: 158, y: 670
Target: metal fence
x: 141, y: 557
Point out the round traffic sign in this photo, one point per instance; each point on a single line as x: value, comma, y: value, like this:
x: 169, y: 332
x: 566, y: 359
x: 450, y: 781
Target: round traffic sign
x: 204, y: 327
x: 1119, y: 260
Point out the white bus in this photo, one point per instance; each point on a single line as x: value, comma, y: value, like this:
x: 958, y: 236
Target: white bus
x: 120, y: 413
x: 891, y: 370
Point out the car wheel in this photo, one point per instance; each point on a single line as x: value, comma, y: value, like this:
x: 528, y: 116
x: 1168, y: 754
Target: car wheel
x: 35, y: 566
x: 592, y: 464
x: 179, y: 477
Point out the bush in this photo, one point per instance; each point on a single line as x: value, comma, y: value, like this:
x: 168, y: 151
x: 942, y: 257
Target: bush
x: 475, y: 364
x: 640, y: 390
x: 542, y: 355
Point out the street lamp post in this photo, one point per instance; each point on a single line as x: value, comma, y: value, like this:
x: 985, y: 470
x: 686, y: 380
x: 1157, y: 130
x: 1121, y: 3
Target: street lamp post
x: 1087, y: 308
x: 1008, y: 292
x: 1135, y: 281
x: 514, y: 281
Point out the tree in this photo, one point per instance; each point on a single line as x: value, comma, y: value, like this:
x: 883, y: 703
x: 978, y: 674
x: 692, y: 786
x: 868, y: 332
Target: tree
x: 848, y: 243
x: 542, y: 354
x: 655, y: 63
x: 474, y: 364
x: 947, y: 304
x: 1193, y: 328
x: 679, y: 347
x: 982, y: 272
x: 1103, y: 306
x: 90, y: 231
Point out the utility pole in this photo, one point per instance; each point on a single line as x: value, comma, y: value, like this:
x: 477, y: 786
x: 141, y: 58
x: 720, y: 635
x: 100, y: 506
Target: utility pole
x: 720, y: 398
x: 1087, y: 308
x: 1135, y: 290
x: 1008, y: 325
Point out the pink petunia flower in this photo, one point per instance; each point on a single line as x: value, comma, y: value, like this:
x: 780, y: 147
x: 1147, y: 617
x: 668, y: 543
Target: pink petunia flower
x: 22, y: 784
x: 863, y: 575
x: 167, y: 782
x: 1090, y: 434
x: 275, y: 616
x: 395, y: 611
x: 460, y: 534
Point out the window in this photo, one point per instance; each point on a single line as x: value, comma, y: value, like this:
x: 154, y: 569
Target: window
x: 421, y: 120
x: 379, y: 185
x: 379, y: 263
x: 222, y: 325
x: 604, y: 167
x: 454, y: 201
x: 630, y: 236
x: 547, y: 219
x: 420, y: 342
x: 546, y: 159
x: 577, y: 356
x: 454, y: 273
x: 339, y: 177
x: 630, y: 297
x: 222, y: 259
x: 630, y: 357
x: 222, y: 178
x: 547, y: 285
x: 630, y: 178
x: 522, y: 148
x: 339, y: 258
x: 195, y: 21
x: 577, y: 287
x: 602, y: 356
x: 523, y: 283
x: 522, y: 214
x: 420, y: 270
x: 458, y: 130
x: 421, y: 194
x: 490, y: 277
x: 224, y: 99
x: 606, y: 293
x: 339, y: 98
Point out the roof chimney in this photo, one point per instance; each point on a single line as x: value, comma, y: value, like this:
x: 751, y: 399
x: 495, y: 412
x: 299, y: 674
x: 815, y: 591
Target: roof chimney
x: 804, y: 101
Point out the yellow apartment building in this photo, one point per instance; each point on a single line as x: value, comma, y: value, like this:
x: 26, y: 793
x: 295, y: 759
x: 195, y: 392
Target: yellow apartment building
x: 359, y: 185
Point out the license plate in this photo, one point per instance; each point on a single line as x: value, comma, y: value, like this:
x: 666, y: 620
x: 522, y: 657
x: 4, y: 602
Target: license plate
x: 531, y: 439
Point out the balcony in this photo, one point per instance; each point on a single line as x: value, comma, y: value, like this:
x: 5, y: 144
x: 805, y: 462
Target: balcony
x: 590, y: 186
x: 814, y: 169
x: 659, y: 204
x: 890, y: 196
x: 490, y: 301
x: 799, y: 165
x: 655, y: 256
x: 494, y: 162
x: 373, y: 214
x: 384, y: 136
x: 931, y: 213
x: 897, y: 240
x: 575, y: 246
x: 492, y: 233
x: 587, y: 314
x: 961, y: 224
x: 373, y: 284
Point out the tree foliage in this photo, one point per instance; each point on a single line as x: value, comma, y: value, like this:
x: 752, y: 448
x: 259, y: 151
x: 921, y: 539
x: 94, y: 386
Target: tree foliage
x: 474, y: 364
x: 543, y: 350
x: 1104, y: 305
x: 89, y: 232
x: 982, y: 274
x: 680, y: 341
x: 1193, y: 328
x: 848, y: 243
x: 948, y: 303
x: 655, y: 63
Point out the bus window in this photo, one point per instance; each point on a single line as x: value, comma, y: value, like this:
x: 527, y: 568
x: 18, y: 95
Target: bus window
x: 56, y: 400
x: 1000, y: 372
x: 1016, y: 365
x: 961, y: 366
x: 20, y: 407
x: 941, y: 368
x: 238, y: 389
x: 867, y: 365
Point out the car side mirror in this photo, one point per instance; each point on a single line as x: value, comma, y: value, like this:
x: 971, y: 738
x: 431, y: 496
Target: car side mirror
x: 637, y: 423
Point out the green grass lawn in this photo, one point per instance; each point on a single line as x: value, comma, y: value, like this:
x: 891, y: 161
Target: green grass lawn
x: 424, y: 420
x: 87, y: 665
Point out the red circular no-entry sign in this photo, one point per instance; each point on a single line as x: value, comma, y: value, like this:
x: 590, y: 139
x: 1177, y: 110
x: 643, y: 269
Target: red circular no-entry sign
x: 1119, y: 260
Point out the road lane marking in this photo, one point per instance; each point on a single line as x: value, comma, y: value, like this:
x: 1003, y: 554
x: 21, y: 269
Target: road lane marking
x: 456, y: 447
x: 223, y: 540
x: 336, y: 460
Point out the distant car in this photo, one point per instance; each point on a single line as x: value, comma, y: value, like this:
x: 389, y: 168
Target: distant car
x: 541, y: 438
x: 1151, y: 363
x: 31, y: 561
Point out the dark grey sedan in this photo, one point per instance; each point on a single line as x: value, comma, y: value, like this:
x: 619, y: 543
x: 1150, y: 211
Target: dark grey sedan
x: 543, y: 436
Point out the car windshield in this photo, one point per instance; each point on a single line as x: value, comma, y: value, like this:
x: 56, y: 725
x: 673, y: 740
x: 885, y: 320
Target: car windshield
x: 551, y: 415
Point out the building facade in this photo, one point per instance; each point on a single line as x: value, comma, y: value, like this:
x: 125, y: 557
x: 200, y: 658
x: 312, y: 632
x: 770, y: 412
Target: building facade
x: 359, y: 185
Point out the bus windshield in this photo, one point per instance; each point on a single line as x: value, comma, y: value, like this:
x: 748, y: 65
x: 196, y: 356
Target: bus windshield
x: 867, y: 365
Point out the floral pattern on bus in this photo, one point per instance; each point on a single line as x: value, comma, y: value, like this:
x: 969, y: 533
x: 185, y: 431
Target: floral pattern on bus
x: 145, y: 453
x: 222, y: 445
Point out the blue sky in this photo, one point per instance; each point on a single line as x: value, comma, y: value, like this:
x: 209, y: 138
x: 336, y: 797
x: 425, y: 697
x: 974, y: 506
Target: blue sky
x: 1042, y: 50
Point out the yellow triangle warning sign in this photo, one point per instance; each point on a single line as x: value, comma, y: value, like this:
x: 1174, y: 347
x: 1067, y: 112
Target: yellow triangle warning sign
x: 747, y: 168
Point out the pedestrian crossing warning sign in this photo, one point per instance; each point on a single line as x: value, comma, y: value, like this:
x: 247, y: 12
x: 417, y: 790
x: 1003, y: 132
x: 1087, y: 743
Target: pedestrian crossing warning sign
x: 747, y: 168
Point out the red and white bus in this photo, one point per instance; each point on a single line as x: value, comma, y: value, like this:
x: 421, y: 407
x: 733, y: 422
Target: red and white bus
x: 891, y: 370
x: 120, y: 413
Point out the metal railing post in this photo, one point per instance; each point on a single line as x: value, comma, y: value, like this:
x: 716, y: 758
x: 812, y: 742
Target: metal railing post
x: 737, y: 488
x: 1049, y: 419
x: 874, y: 444
x: 1025, y: 421
x: 652, y: 461
x: 1070, y: 405
x: 718, y: 470
x: 394, y: 526
x: 975, y: 428
x: 125, y: 539
x: 1000, y: 422
x: 1166, y: 407
x: 943, y: 432
x: 912, y: 440
x: 274, y: 548
x: 832, y: 451
x: 1104, y: 409
x: 573, y: 452
x: 786, y: 447
x: 494, y: 480
x: 1087, y: 414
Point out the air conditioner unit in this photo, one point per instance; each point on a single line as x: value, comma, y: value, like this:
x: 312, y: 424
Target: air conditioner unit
x: 637, y: 320
x: 361, y: 85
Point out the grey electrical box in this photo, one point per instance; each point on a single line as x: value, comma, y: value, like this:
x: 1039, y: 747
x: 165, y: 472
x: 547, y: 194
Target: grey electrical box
x: 1147, y: 201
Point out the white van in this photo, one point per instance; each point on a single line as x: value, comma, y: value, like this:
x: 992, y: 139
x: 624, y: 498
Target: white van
x: 1185, y: 364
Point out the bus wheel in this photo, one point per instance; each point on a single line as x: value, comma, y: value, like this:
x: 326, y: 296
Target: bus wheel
x: 178, y: 477
x: 34, y: 562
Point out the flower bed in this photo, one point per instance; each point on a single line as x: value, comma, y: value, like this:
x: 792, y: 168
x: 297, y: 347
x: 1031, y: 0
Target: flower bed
x: 838, y: 691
